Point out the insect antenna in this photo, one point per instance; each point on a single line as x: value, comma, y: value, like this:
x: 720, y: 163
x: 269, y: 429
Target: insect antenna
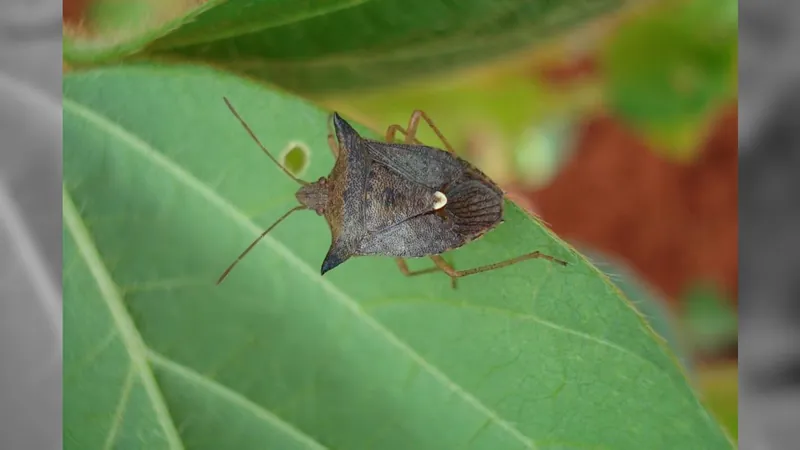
x: 252, y: 135
x: 228, y: 270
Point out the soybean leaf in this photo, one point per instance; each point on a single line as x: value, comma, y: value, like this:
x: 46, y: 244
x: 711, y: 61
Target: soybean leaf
x: 649, y: 300
x: 321, y: 46
x: 163, y: 189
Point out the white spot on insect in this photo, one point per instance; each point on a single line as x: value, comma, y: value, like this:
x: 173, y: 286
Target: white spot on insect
x: 439, y: 200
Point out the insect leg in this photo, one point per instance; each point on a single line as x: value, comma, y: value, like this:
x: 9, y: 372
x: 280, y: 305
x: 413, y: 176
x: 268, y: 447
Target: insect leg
x: 453, y: 273
x: 392, y: 131
x: 446, y: 268
x: 331, y: 139
x: 401, y: 264
x: 411, y: 131
x: 413, y: 124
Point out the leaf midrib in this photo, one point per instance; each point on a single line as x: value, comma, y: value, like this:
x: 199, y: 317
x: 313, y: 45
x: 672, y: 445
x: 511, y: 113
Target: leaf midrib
x: 237, y: 216
x: 128, y: 333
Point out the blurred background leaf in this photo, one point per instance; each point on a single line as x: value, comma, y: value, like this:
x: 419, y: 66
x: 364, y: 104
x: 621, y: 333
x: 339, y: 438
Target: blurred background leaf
x: 710, y: 322
x: 720, y: 387
x: 323, y: 46
x: 668, y: 69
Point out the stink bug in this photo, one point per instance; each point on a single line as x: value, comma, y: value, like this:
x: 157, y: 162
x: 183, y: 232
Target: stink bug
x: 405, y: 200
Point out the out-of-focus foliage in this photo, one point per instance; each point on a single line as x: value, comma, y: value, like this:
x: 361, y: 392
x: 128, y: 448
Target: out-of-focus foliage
x: 668, y: 70
x: 709, y: 319
x: 664, y: 69
x: 325, y: 46
x: 720, y: 388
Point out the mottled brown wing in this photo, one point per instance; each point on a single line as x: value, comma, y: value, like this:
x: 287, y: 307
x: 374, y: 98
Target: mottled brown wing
x: 420, y: 164
x: 391, y: 199
x: 472, y: 209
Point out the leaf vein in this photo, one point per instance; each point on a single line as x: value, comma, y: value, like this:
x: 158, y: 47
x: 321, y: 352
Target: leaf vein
x: 232, y: 396
x: 119, y: 414
x: 514, y: 315
x: 91, y: 354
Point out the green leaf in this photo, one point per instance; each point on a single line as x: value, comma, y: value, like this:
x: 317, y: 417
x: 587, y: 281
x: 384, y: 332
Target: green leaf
x: 163, y: 189
x: 322, y: 46
x: 652, y: 303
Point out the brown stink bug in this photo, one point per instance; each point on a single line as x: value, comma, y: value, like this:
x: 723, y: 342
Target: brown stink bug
x: 405, y: 200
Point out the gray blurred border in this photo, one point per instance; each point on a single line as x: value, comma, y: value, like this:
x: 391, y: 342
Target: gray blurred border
x: 769, y: 205
x: 30, y: 225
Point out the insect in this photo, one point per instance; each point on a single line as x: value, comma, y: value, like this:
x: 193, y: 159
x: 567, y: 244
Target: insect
x: 404, y: 200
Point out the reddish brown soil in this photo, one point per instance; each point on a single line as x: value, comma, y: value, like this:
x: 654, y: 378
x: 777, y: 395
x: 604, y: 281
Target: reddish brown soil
x: 675, y: 223
x: 72, y: 11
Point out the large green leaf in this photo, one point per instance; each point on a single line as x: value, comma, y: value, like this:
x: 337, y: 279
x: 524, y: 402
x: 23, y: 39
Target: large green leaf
x: 320, y: 46
x: 163, y: 188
